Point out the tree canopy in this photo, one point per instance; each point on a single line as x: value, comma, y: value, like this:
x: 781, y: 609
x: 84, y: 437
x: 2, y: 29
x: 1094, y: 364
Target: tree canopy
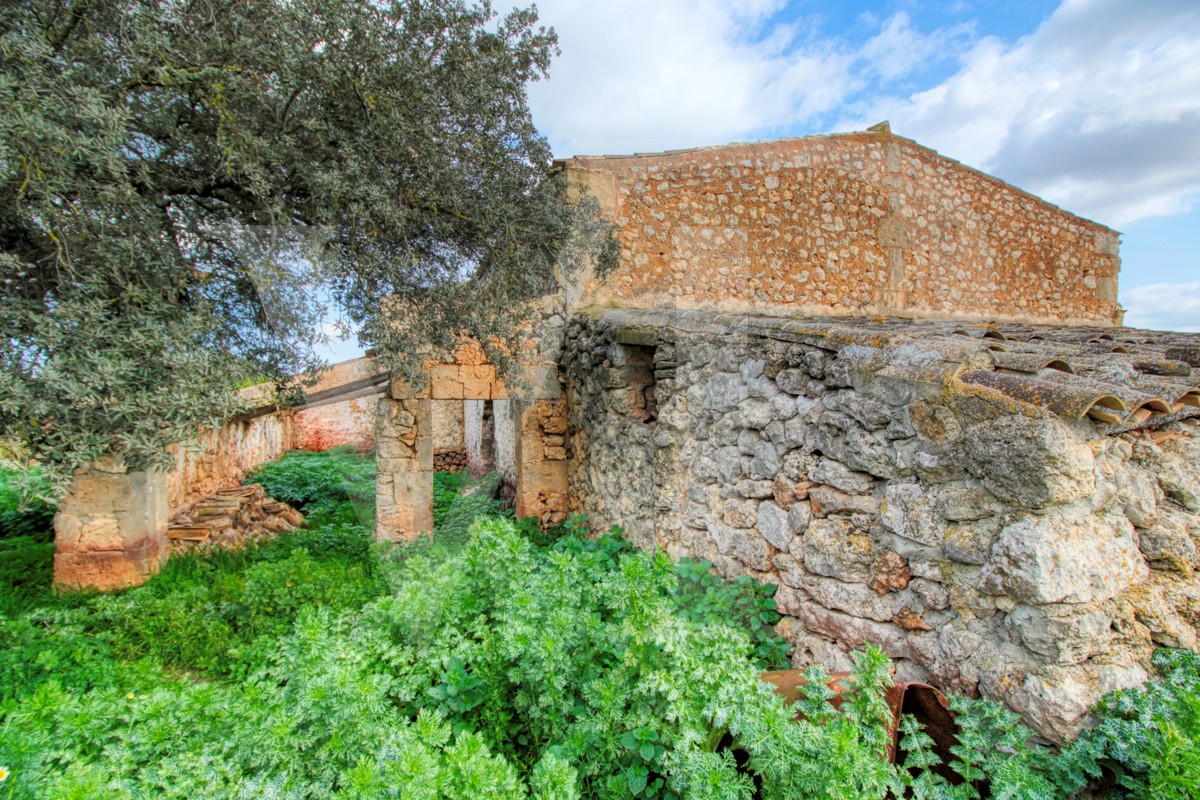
x: 183, y: 183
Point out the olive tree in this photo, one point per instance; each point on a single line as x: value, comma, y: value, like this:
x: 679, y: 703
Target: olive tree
x: 185, y: 183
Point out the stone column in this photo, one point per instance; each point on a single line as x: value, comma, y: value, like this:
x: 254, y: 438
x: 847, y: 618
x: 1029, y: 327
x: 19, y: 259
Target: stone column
x: 541, y: 462
x: 110, y: 531
x: 404, y: 458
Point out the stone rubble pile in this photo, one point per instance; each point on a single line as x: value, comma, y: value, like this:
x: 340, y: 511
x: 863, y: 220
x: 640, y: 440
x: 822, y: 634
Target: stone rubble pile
x: 231, y: 519
x: 449, y: 460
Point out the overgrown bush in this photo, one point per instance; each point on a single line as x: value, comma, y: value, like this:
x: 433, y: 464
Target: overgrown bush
x: 506, y: 663
x: 23, y: 510
x: 309, y: 480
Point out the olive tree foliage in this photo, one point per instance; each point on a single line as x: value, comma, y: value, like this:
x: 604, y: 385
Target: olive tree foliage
x: 185, y: 183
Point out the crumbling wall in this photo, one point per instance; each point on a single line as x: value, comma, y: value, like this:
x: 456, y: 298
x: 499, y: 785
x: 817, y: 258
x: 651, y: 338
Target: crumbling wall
x: 344, y: 422
x: 219, y: 458
x: 110, y: 531
x: 986, y: 545
x: 858, y: 223
x: 349, y: 423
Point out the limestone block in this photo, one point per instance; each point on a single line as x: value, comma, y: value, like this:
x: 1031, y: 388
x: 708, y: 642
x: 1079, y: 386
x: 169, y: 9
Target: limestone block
x: 963, y: 502
x: 800, y: 515
x: 1171, y: 543
x: 725, y: 392
x: 757, y: 414
x: 774, y: 525
x: 784, y: 406
x: 1180, y: 481
x: 826, y: 500
x: 757, y: 490
x: 1055, y: 700
x: 842, y: 477
x: 1063, y: 634
x: 797, y: 432
x: 839, y: 437
x: 1152, y: 608
x: 868, y: 412
x: 836, y: 549
x: 1139, y: 493
x: 729, y: 464
x: 932, y: 595
x: 1029, y: 462
x: 907, y: 510
x: 792, y: 381
x: 971, y: 542
x: 764, y: 462
x: 856, y: 599
x: 797, y: 465
x: 788, y: 601
x: 790, y: 567
x: 1064, y: 558
x: 739, y: 513
x: 889, y: 573
x: 934, y: 422
x: 745, y: 546
x: 854, y: 632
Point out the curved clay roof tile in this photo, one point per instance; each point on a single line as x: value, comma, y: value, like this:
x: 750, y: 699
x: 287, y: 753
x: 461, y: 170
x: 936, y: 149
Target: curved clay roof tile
x: 1064, y: 399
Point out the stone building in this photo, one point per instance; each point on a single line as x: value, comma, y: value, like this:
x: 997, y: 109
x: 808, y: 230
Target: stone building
x: 891, y: 384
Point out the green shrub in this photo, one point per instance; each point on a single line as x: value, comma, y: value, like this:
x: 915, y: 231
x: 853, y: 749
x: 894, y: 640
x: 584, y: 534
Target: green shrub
x: 702, y: 596
x: 26, y: 573
x: 308, y: 480
x: 23, y: 510
x: 1147, y: 739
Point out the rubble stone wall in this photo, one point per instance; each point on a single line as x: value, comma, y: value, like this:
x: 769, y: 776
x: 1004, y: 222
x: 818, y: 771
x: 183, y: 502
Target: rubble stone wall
x: 987, y: 549
x: 858, y: 223
x: 221, y: 457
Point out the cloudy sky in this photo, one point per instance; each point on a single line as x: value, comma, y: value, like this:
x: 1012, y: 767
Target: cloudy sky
x: 1092, y: 104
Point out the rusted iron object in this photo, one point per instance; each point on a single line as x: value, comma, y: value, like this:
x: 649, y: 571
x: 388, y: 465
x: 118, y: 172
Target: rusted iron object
x: 919, y: 700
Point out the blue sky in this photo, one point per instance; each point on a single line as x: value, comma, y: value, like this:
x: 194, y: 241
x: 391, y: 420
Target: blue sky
x: 1092, y: 104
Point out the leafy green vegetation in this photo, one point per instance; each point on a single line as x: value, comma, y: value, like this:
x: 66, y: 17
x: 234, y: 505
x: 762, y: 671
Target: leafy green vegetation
x: 307, y: 480
x: 229, y: 175
x: 505, y: 662
x: 23, y: 508
x: 26, y: 540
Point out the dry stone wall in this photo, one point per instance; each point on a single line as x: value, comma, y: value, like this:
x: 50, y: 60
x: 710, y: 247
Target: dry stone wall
x: 857, y: 223
x: 987, y: 547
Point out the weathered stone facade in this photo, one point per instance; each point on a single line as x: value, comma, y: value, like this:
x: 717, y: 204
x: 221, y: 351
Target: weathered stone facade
x: 856, y: 223
x: 1006, y: 509
x: 986, y: 543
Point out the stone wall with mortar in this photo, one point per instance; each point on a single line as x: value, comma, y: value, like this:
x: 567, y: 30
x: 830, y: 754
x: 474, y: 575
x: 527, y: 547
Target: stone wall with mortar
x: 986, y: 547
x: 858, y: 223
x: 348, y: 423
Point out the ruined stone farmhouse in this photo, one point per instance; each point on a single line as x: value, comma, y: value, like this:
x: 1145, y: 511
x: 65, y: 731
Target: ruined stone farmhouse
x: 894, y: 386
x: 890, y: 384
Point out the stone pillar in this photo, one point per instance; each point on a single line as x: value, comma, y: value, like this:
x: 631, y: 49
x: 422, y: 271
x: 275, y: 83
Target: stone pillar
x: 541, y: 462
x: 110, y: 531
x: 404, y: 458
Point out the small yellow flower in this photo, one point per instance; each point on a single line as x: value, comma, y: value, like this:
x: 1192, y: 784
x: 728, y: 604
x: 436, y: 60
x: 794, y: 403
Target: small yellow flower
x: 3, y: 774
x: 129, y: 696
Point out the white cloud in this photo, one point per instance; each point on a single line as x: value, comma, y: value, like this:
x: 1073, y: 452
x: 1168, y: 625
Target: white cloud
x: 1098, y: 110
x: 1163, y: 306
x: 666, y: 74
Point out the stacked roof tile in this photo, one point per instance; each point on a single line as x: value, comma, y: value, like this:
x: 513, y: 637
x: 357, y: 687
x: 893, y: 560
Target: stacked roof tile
x: 1121, y: 377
